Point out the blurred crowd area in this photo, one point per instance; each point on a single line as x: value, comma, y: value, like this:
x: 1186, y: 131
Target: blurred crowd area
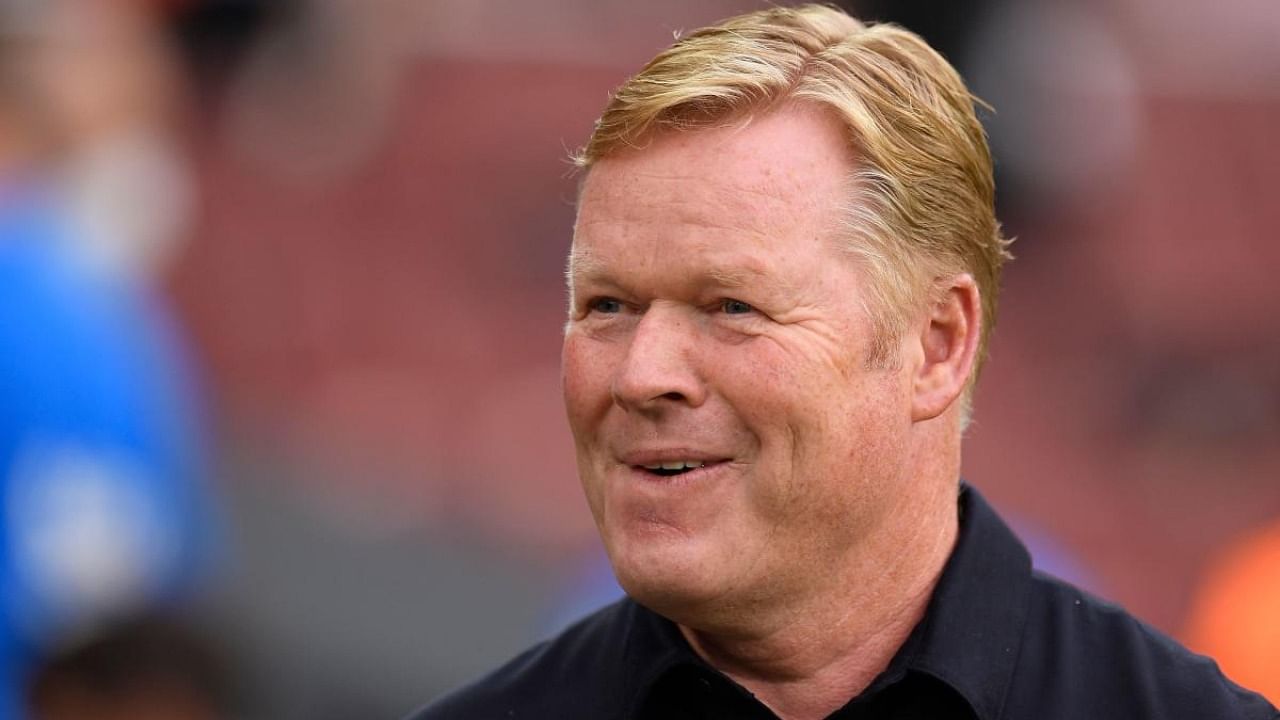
x: 280, y: 307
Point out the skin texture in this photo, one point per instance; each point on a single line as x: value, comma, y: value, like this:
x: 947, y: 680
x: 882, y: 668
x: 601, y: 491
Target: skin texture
x: 713, y: 318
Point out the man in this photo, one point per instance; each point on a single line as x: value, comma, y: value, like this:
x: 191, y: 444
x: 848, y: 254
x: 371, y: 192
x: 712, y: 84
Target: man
x: 783, y: 276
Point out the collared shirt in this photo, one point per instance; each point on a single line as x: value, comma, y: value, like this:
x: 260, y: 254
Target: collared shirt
x: 998, y: 642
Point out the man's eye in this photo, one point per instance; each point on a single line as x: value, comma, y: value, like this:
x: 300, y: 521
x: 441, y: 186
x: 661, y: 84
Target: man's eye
x: 735, y: 307
x: 606, y: 305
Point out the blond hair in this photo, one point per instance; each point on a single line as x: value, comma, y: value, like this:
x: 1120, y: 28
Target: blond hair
x: 922, y: 199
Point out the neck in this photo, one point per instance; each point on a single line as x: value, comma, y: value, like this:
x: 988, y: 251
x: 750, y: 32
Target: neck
x: 812, y: 657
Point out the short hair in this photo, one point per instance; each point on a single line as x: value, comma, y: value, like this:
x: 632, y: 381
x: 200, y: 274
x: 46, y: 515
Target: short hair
x: 921, y: 205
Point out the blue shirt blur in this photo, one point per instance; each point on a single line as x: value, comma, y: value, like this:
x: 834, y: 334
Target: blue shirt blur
x: 103, y: 511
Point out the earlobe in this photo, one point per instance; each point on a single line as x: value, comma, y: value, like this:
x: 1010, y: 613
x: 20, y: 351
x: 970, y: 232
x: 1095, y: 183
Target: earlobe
x: 949, y: 346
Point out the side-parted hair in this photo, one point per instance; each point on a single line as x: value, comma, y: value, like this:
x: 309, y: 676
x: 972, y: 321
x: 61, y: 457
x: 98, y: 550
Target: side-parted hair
x: 921, y: 202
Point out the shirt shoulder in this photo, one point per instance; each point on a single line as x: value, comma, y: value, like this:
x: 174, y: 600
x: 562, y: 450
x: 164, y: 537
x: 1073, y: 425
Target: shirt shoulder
x: 1084, y: 657
x: 577, y: 674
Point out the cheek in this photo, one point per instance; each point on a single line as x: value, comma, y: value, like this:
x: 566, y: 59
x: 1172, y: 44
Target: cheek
x: 782, y: 395
x: 585, y: 381
x: 820, y: 427
x: 784, y: 402
x: 585, y: 384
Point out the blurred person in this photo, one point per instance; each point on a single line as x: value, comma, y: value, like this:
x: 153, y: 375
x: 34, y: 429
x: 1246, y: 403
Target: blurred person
x: 94, y: 88
x: 1235, y: 617
x: 109, y: 85
x: 782, y: 282
x: 103, y: 511
x: 146, y: 668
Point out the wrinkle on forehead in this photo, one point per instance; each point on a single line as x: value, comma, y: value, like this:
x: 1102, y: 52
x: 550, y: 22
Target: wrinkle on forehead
x: 729, y: 253
x: 731, y: 268
x: 758, y: 196
x: 721, y: 211
x: 760, y: 188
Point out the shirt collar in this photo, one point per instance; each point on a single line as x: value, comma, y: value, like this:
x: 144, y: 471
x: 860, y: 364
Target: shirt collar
x: 968, y: 639
x: 974, y: 625
x: 654, y: 646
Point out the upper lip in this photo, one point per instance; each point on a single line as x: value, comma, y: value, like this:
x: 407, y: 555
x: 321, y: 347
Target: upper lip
x: 657, y: 456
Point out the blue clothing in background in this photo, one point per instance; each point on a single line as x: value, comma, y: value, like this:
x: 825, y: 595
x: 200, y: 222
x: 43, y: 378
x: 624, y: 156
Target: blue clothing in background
x: 102, y: 507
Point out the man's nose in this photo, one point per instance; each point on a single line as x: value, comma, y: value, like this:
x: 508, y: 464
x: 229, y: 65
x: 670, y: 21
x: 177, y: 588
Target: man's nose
x: 658, y: 369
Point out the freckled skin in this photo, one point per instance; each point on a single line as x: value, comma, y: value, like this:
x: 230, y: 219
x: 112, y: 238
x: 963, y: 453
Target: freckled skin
x: 818, y: 445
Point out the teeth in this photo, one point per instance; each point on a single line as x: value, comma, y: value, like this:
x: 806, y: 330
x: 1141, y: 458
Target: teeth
x: 676, y: 465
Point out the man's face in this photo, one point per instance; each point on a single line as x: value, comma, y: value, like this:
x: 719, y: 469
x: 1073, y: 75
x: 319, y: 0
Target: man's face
x: 731, y: 440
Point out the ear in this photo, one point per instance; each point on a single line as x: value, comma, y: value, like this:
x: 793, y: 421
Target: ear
x: 949, y: 347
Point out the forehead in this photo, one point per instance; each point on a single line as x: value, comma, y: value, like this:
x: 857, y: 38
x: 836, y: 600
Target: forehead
x: 763, y: 179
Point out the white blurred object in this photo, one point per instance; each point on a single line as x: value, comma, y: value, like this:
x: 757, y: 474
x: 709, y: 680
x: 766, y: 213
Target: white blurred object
x: 131, y: 197
x: 89, y: 542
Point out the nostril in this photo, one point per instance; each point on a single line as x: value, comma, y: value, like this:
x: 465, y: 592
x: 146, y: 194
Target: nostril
x: 651, y: 399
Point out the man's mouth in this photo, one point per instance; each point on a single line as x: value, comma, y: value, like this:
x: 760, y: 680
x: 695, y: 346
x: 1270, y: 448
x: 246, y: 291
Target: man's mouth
x: 671, y: 462
x: 675, y: 467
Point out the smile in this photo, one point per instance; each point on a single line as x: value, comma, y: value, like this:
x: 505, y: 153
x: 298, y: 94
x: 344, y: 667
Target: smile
x: 671, y: 461
x: 676, y: 467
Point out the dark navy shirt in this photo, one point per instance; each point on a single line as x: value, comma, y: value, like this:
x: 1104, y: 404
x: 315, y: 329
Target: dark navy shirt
x: 999, y: 641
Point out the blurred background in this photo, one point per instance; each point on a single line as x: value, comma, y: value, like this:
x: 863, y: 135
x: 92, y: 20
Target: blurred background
x: 280, y: 309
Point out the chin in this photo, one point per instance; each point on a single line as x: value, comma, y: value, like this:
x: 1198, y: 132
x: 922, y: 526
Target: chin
x: 674, y: 582
x: 675, y: 601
